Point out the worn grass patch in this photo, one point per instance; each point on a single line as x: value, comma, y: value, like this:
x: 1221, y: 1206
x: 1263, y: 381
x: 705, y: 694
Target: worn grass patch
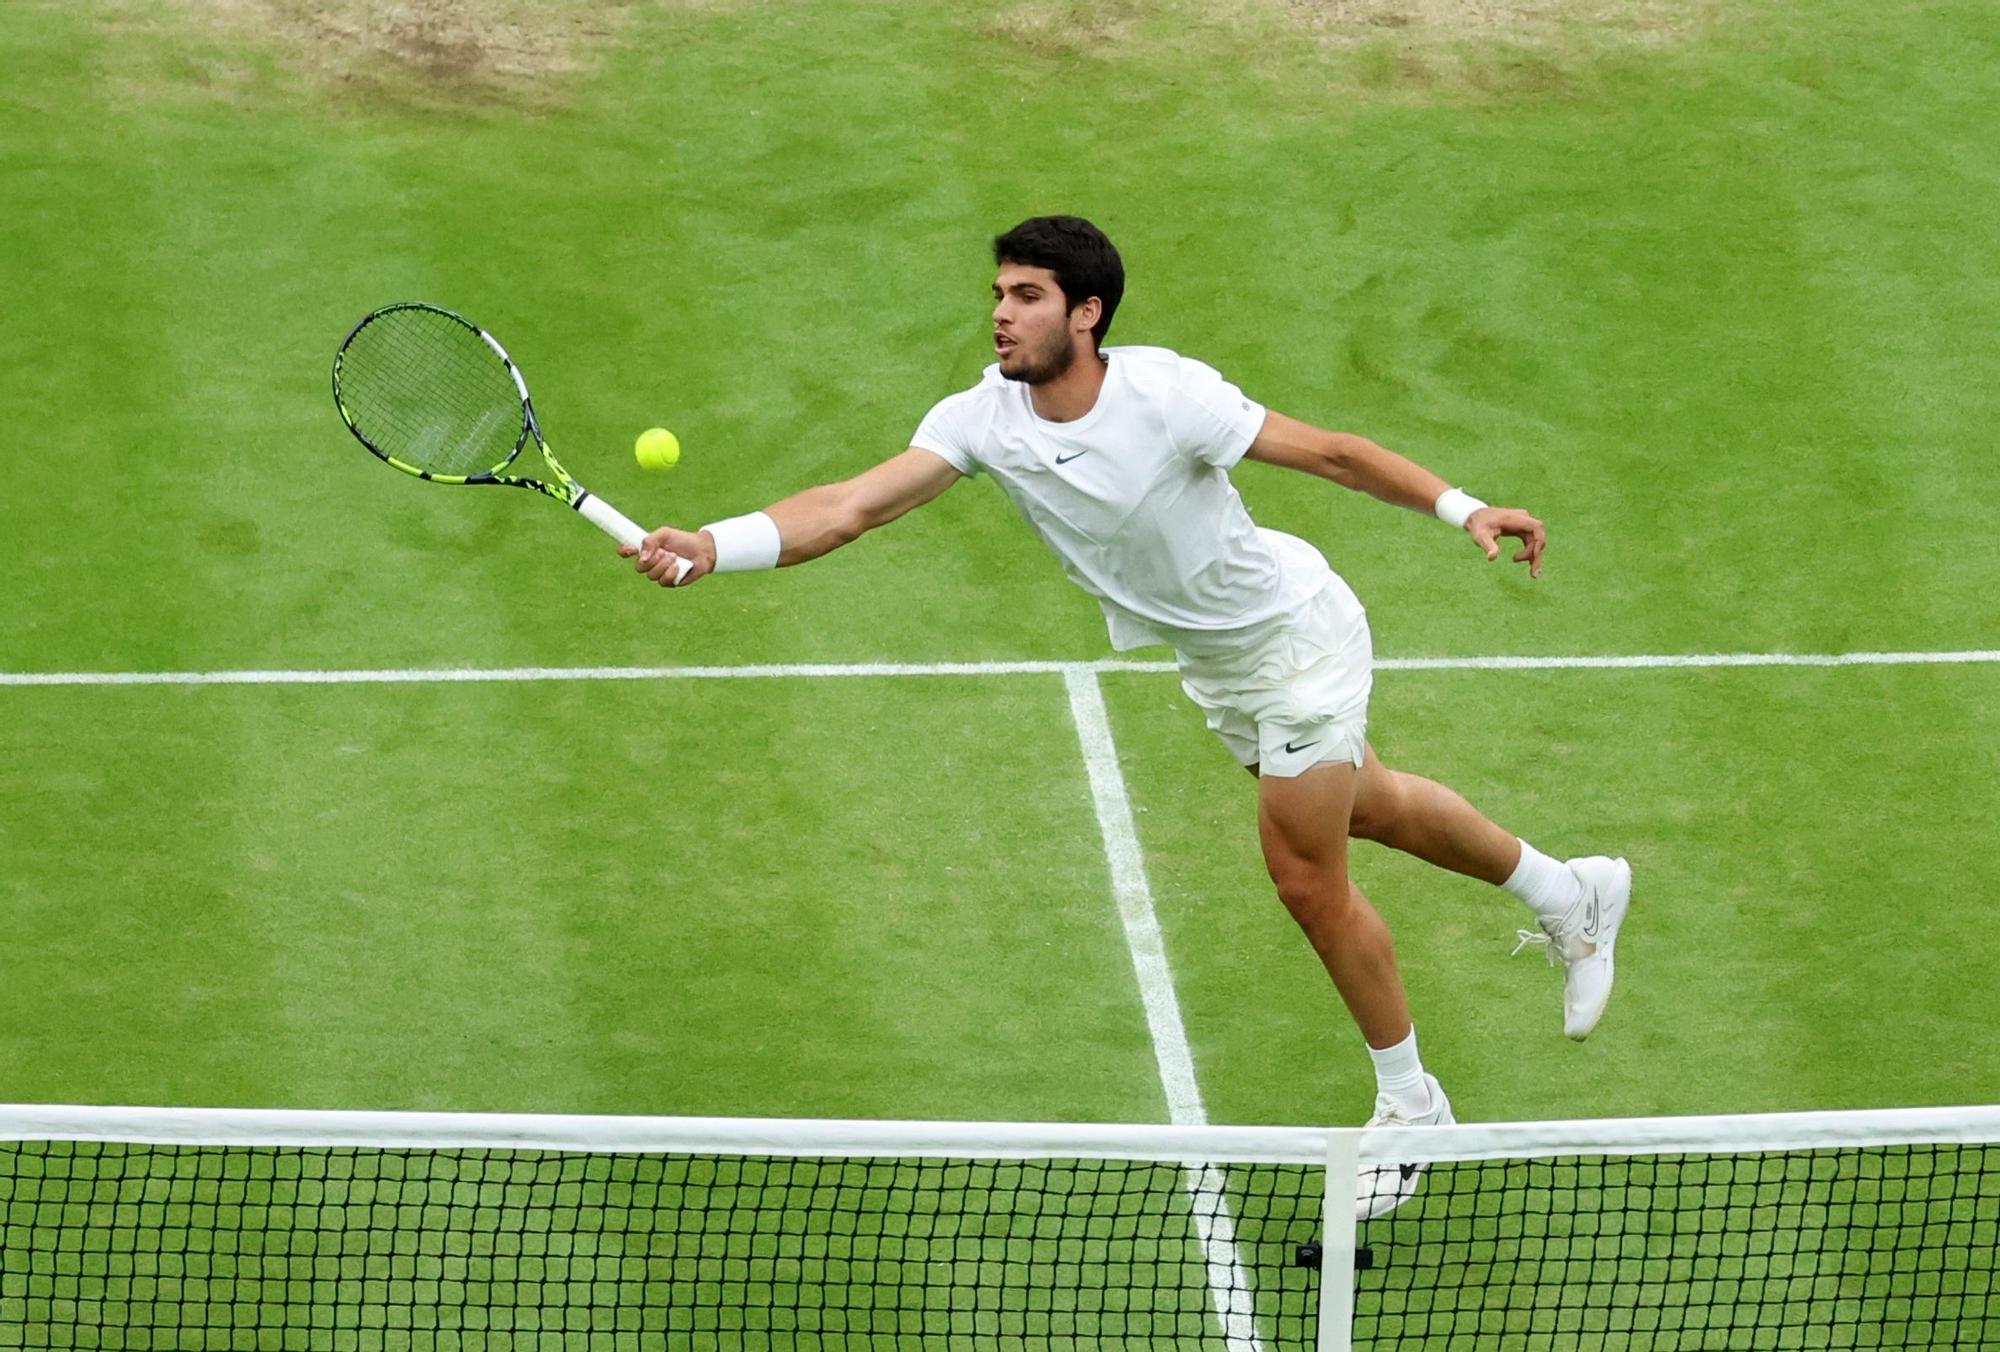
x: 435, y: 51
x: 1070, y: 28
x: 534, y: 56
x: 1389, y: 48
x: 1533, y: 23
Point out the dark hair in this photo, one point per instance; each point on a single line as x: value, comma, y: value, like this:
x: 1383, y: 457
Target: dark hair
x: 1078, y: 254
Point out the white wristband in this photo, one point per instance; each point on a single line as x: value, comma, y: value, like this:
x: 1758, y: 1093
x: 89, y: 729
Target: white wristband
x: 1455, y: 505
x: 745, y: 544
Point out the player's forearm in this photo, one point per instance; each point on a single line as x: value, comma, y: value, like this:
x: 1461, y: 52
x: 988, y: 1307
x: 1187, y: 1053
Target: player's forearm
x: 1360, y: 464
x: 815, y: 522
x: 822, y: 519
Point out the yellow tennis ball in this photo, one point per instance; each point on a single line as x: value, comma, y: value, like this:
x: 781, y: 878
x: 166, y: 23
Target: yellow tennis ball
x: 657, y: 448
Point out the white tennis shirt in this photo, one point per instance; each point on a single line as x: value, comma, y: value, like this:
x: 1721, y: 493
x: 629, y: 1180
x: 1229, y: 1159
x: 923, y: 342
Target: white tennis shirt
x: 1134, y: 497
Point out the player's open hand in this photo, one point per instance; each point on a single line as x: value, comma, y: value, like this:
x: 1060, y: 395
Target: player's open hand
x: 1489, y: 524
x: 658, y: 556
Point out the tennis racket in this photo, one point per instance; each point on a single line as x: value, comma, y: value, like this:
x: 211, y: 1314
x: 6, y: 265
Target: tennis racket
x: 435, y: 395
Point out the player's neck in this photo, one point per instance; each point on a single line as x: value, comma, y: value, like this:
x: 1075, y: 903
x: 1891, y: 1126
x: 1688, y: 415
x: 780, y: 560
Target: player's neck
x: 1073, y: 393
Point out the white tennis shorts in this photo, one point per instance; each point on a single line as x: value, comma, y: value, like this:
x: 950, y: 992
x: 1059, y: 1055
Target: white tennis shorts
x: 1292, y: 693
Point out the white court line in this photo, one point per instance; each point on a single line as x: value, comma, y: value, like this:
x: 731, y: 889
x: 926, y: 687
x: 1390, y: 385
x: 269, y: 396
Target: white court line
x: 1228, y: 1282
x: 1135, y: 901
x: 443, y: 675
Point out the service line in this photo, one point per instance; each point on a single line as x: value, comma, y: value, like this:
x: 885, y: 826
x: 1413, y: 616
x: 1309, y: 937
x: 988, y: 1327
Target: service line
x: 446, y: 675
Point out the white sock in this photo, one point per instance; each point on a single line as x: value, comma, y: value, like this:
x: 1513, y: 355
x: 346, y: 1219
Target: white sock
x: 1399, y: 1076
x: 1548, y: 887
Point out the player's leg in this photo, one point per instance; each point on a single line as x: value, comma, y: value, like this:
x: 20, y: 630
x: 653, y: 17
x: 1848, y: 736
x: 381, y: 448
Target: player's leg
x: 1424, y: 818
x: 1578, y: 903
x: 1291, y: 704
x: 1300, y: 821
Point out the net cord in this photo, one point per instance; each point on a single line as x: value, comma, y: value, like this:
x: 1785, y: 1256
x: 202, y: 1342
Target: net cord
x: 998, y: 1140
x: 1749, y: 1133
x: 652, y: 1135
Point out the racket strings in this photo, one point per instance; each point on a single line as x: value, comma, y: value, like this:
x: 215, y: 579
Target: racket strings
x: 426, y: 389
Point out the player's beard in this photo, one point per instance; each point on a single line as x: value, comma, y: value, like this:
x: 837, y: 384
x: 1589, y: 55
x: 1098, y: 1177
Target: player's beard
x: 1048, y: 364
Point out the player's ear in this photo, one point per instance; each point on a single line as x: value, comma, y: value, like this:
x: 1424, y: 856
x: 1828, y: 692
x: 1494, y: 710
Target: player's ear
x: 1085, y: 316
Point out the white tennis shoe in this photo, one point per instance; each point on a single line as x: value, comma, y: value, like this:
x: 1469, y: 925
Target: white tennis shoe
x: 1384, y: 1187
x: 1582, y: 942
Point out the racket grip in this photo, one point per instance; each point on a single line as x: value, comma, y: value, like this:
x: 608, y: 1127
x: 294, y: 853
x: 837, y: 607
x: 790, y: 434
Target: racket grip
x: 620, y: 527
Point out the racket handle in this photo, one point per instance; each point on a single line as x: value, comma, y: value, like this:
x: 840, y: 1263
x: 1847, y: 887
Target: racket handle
x: 620, y: 527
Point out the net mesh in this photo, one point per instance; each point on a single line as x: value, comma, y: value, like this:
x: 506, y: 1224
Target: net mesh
x: 421, y: 386
x: 1869, y: 1247
x: 123, y: 1246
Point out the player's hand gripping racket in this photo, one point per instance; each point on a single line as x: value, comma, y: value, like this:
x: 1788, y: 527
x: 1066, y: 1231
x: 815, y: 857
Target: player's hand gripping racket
x: 436, y: 396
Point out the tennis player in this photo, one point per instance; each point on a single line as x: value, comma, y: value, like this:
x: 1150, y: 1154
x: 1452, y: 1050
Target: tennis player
x: 1119, y: 458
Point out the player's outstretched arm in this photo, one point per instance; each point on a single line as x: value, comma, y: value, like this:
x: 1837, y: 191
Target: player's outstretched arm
x: 1358, y: 463
x: 801, y: 527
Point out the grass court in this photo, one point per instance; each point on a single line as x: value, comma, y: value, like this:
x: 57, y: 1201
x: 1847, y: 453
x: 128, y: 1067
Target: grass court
x: 1707, y: 287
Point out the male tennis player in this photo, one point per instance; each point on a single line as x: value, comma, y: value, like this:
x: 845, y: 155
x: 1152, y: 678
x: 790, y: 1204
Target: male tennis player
x: 1120, y: 458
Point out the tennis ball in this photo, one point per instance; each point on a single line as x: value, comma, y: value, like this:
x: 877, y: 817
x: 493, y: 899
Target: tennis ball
x: 657, y: 448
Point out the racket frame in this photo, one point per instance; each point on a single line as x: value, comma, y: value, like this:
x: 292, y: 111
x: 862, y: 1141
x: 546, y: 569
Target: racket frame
x: 565, y: 489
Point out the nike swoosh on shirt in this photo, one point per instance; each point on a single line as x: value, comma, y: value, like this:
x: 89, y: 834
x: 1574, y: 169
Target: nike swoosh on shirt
x: 1065, y: 459
x: 1294, y: 750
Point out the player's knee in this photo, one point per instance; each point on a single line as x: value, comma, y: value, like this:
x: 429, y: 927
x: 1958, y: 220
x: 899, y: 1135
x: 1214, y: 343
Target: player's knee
x: 1378, y: 808
x: 1310, y: 889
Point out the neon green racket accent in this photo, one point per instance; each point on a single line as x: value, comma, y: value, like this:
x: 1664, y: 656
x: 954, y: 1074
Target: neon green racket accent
x: 431, y: 393
x: 435, y: 395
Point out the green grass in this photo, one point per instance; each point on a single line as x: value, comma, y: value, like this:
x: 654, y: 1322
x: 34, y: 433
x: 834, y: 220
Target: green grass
x: 753, y: 941
x: 1717, y: 307
x: 1782, y: 918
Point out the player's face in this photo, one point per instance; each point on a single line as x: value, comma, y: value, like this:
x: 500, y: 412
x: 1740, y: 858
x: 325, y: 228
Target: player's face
x: 1031, y: 325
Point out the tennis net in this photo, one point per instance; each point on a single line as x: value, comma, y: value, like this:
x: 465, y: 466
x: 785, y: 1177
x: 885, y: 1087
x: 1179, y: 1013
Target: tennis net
x: 1809, y: 1230
x: 239, y: 1229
